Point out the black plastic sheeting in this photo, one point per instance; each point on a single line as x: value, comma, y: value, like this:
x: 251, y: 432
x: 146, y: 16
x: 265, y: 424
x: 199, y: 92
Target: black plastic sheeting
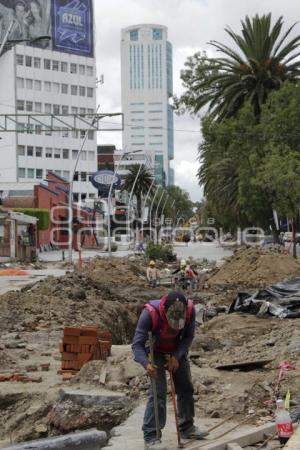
x: 280, y: 300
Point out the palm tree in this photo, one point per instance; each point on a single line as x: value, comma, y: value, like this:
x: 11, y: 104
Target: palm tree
x: 141, y: 178
x: 264, y: 60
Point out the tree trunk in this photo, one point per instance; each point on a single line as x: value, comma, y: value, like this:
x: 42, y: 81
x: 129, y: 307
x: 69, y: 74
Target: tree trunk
x: 294, y: 239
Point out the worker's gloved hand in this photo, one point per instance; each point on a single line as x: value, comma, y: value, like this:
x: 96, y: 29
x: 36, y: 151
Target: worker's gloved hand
x: 172, y: 363
x: 151, y: 371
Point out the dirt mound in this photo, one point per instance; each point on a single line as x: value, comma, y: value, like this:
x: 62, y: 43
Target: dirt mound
x: 74, y: 299
x: 255, y: 267
x: 116, y: 270
x: 7, y: 363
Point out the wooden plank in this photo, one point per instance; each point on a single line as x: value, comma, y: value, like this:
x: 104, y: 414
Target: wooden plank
x: 245, y: 438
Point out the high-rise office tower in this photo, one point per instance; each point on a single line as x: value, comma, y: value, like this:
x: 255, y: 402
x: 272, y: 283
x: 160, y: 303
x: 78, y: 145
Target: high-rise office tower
x: 147, y: 85
x: 54, y: 77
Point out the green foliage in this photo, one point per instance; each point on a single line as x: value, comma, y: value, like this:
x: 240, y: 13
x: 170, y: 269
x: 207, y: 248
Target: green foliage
x: 43, y: 216
x: 261, y: 62
x: 160, y: 251
x: 249, y: 168
x: 178, y: 203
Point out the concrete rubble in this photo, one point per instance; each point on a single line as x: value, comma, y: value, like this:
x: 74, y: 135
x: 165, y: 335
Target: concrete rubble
x: 110, y: 293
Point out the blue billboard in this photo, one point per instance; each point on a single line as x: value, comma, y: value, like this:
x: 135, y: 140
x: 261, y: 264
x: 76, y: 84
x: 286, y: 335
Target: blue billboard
x: 72, y: 26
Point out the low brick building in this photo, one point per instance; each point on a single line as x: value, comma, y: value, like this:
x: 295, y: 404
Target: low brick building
x: 52, y: 195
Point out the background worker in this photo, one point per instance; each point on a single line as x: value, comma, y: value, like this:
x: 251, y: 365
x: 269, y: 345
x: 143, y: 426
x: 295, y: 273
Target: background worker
x: 152, y: 274
x: 172, y: 323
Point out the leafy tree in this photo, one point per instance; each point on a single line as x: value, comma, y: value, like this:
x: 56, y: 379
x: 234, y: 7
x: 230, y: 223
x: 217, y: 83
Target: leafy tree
x: 249, y: 168
x: 141, y: 186
x: 262, y: 62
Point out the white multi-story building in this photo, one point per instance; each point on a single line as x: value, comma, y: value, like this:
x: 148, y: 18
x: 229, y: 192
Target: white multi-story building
x: 37, y: 80
x: 147, y: 85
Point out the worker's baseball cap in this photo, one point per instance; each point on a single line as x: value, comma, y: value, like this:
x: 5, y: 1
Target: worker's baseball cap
x: 175, y: 310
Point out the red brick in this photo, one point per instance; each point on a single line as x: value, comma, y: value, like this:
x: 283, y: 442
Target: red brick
x: 90, y: 332
x: 69, y: 356
x: 71, y: 331
x: 87, y: 340
x: 61, y: 347
x: 71, y: 340
x: 6, y: 377
x: 84, y: 357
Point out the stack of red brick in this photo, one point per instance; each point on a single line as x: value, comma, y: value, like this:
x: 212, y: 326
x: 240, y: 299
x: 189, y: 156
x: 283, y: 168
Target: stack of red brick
x: 83, y: 344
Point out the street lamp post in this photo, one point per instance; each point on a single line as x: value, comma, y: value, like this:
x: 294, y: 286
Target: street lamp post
x: 130, y: 197
x: 109, y: 198
x: 144, y: 206
x: 163, y: 208
x: 150, y: 212
x: 70, y: 200
x: 161, y: 197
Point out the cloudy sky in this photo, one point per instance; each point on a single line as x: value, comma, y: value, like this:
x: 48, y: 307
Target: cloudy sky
x: 191, y: 24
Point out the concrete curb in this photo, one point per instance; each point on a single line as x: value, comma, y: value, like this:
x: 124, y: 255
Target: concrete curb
x: 86, y: 440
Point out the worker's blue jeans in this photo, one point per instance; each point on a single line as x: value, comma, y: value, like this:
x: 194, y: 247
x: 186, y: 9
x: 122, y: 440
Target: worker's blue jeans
x: 185, y: 400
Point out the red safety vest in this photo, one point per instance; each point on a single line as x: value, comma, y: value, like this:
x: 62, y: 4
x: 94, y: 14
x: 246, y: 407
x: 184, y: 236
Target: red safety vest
x: 166, y: 338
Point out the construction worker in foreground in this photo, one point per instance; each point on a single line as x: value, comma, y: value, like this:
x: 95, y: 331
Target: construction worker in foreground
x: 172, y: 323
x: 152, y: 274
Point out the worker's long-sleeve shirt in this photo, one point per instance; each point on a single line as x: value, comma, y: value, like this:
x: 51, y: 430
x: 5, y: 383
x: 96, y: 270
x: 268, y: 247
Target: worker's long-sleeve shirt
x: 141, y: 336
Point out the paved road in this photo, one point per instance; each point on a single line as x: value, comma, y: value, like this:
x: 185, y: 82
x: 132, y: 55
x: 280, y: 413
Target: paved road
x: 208, y: 250
x: 15, y: 283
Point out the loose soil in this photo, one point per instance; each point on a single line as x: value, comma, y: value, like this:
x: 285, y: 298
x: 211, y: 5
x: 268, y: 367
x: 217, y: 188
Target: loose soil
x: 111, y: 293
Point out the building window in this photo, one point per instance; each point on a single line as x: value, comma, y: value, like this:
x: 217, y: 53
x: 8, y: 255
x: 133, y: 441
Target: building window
x: 20, y: 60
x: 48, y: 108
x: 76, y: 176
x: 20, y: 105
x: 29, y: 106
x: 83, y: 176
x: 83, y: 155
x: 92, y: 195
x: 30, y: 173
x: 39, y: 152
x: 56, y: 88
x: 39, y: 174
x: 65, y: 109
x: 66, y: 174
x: 29, y: 150
x: 30, y: 128
x: 38, y: 129
x: 21, y: 172
x: 55, y: 65
x: 73, y: 68
x: 74, y: 154
x: 82, y: 111
x: 20, y: 82
x: 81, y: 69
x: 28, y: 61
x: 21, y: 150
x: 65, y: 153
x: 91, y: 156
x: 74, y: 89
x: 82, y: 91
x: 134, y: 35
x: 83, y: 197
x: 157, y: 34
x: 38, y: 107
x: 37, y: 63
x: 56, y: 109
x: 64, y: 67
x: 48, y: 152
x: 48, y: 132
x: 74, y: 134
x: 64, y: 88
x: 58, y: 172
x: 74, y: 110
x: 47, y: 64
x: 90, y: 92
x: 90, y: 111
x: 57, y: 153
x: 29, y: 83
x: 65, y: 133
x: 91, y: 134
x: 75, y: 197
x: 37, y: 85
x: 82, y: 134
x: 47, y: 86
x: 90, y: 71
